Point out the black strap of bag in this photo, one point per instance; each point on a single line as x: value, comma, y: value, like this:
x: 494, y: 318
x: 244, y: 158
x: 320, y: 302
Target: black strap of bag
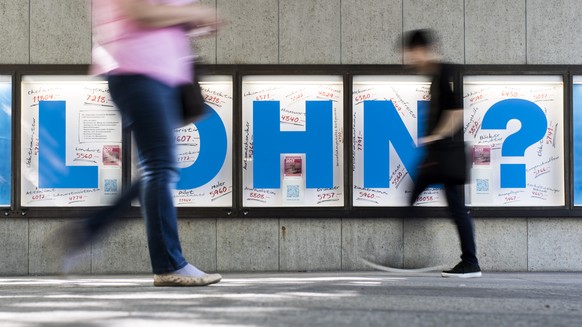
x: 192, y: 102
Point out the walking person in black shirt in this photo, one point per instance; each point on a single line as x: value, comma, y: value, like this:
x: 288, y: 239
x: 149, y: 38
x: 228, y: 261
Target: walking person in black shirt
x: 445, y: 161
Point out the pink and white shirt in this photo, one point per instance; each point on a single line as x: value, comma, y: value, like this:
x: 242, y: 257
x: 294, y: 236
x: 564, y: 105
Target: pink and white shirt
x: 122, y: 46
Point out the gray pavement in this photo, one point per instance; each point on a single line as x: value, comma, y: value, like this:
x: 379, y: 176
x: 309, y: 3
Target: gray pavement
x: 298, y: 299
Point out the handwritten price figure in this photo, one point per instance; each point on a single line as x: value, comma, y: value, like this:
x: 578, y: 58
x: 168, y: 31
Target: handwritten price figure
x: 97, y: 99
x: 45, y: 97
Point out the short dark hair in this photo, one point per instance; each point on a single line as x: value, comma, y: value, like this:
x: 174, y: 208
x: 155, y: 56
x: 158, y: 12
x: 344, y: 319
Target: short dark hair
x: 419, y: 38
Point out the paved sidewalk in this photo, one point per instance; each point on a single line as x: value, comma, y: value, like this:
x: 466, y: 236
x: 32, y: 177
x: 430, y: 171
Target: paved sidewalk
x: 301, y: 299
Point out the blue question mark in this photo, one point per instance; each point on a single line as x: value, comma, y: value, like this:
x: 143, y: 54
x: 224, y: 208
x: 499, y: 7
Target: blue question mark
x: 533, y: 127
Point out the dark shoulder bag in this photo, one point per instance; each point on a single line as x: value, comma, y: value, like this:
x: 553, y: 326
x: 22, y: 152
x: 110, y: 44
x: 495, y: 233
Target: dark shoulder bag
x: 192, y: 101
x: 445, y: 163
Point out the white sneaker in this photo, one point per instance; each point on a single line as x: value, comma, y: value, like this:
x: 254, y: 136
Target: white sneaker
x: 180, y: 280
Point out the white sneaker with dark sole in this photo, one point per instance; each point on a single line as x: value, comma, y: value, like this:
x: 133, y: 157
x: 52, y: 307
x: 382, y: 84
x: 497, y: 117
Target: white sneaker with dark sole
x: 180, y: 280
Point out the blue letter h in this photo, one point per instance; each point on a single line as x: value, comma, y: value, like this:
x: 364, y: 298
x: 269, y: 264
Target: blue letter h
x: 270, y: 142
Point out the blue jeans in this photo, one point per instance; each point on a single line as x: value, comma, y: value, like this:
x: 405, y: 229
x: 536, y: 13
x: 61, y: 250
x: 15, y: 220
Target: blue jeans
x: 151, y: 110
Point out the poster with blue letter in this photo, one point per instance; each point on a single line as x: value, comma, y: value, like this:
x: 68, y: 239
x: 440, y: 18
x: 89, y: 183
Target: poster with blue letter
x: 71, y: 142
x: 514, y: 127
x: 205, y: 149
x: 388, y: 114
x: 292, y: 141
x: 577, y: 147
x: 5, y: 139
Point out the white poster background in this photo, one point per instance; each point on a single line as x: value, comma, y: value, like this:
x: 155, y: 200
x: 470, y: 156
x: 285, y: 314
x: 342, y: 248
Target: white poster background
x: 217, y: 93
x: 404, y: 92
x: 544, y: 160
x: 89, y: 107
x: 292, y: 92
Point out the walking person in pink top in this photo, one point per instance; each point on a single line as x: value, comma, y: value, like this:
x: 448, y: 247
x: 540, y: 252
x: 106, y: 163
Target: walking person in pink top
x: 143, y: 49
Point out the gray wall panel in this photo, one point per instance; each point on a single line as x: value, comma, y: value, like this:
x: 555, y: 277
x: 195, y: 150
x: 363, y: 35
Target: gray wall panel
x: 376, y: 240
x: 252, y: 33
x: 502, y: 244
x: 310, y: 244
x: 47, y: 248
x: 495, y: 32
x: 205, y: 47
x: 13, y: 246
x: 248, y: 245
x: 444, y: 16
x: 430, y: 242
x: 309, y: 32
x: 14, y: 31
x: 553, y: 32
x: 123, y: 249
x: 554, y: 244
x: 371, y: 32
x: 198, y: 238
x: 60, y: 32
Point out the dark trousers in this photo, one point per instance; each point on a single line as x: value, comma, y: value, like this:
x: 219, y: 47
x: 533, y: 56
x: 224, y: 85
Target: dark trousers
x: 150, y: 109
x: 460, y: 215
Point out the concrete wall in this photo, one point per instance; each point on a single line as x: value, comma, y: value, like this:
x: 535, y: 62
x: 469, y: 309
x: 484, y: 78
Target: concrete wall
x: 322, y: 31
x: 30, y: 246
x: 314, y: 32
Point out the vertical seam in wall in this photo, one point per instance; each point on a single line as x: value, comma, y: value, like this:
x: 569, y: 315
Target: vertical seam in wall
x: 402, y: 226
x: 28, y: 247
x: 402, y: 32
x: 341, y: 34
x: 279, y: 37
x: 527, y: 243
x: 29, y: 34
x: 91, y: 47
x: 216, y: 37
x: 526, y: 34
x: 341, y: 249
x: 464, y: 31
x: 216, y: 244
x: 279, y: 245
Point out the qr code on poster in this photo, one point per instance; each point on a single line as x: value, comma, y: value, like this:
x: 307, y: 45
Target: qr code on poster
x: 293, y: 191
x: 110, y: 186
x: 483, y: 185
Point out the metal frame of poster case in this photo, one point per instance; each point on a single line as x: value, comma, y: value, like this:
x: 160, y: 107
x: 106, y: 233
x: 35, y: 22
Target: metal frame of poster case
x: 297, y: 212
x: 47, y: 212
x: 576, y: 210
x: 9, y: 73
x: 347, y: 72
x: 16, y: 209
x: 542, y: 70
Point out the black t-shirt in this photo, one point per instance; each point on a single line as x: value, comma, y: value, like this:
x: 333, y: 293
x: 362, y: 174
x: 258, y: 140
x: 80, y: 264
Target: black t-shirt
x: 445, y: 95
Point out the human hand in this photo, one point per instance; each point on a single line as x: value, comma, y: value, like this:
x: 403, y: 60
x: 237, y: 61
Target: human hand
x: 205, y: 20
x: 429, y: 139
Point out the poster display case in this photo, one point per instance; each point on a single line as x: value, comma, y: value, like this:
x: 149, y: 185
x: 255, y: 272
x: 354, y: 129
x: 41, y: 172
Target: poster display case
x: 71, y: 142
x: 293, y: 141
x: 514, y: 128
x: 272, y: 140
x: 388, y: 120
x: 577, y: 138
x: 205, y: 149
x: 5, y: 140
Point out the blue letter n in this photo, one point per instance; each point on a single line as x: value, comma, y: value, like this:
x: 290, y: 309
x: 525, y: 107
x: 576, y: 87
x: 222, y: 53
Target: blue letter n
x: 383, y: 126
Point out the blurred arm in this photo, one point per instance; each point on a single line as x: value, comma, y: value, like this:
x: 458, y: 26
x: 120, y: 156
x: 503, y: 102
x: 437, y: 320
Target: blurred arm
x: 448, y: 125
x: 158, y: 16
